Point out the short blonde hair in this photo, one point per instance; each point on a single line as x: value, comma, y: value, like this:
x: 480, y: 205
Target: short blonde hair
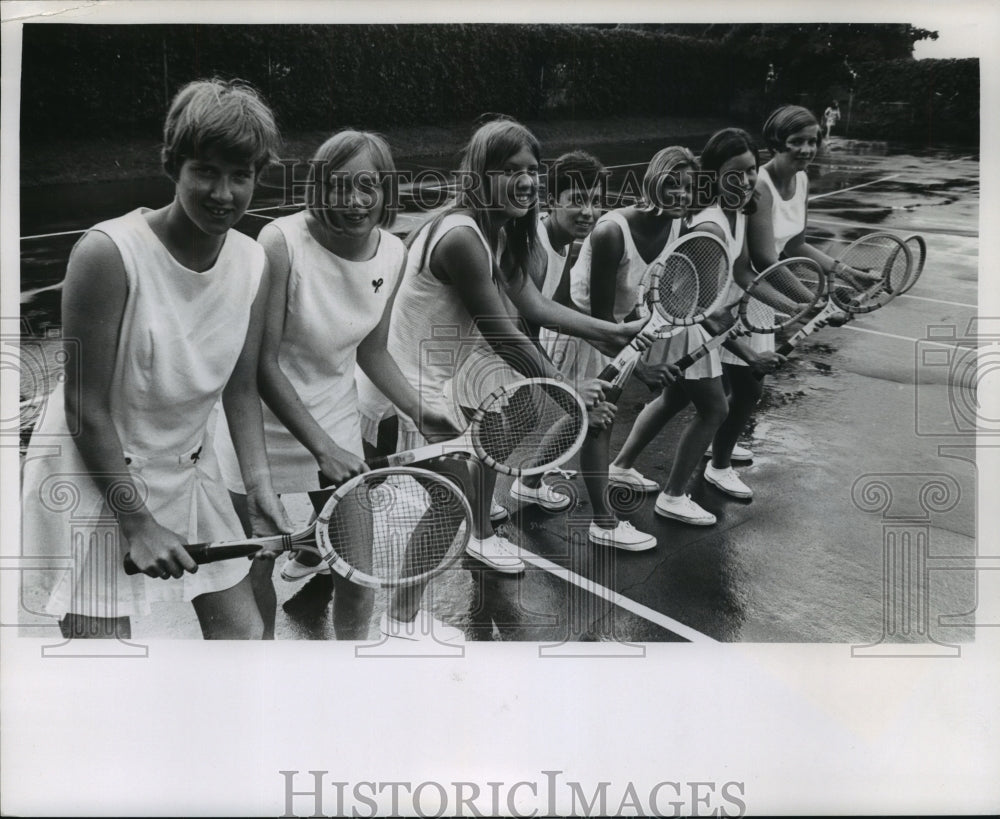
x: 224, y: 115
x: 338, y: 149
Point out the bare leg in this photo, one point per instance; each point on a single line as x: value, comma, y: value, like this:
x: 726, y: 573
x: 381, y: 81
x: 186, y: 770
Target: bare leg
x: 709, y: 401
x: 746, y: 390
x: 231, y: 614
x: 594, y: 458
x: 260, y: 573
x: 650, y: 422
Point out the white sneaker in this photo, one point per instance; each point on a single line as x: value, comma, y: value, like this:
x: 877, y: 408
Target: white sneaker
x: 422, y: 627
x: 728, y: 481
x: 631, y: 477
x: 544, y: 495
x: 623, y: 536
x: 496, y: 552
x: 740, y: 454
x: 498, y: 513
x: 682, y: 508
x: 293, y: 570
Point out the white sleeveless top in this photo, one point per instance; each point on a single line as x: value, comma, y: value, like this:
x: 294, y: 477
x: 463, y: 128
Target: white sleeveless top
x: 433, y: 337
x: 788, y: 216
x: 181, y: 335
x: 631, y: 278
x: 332, y: 305
x: 734, y: 244
x: 555, y: 262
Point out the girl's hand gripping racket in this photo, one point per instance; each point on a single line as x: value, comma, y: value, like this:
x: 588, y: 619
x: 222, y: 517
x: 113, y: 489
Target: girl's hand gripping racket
x: 523, y: 428
x: 865, y: 277
x: 687, y: 284
x: 777, y: 298
x: 388, y: 528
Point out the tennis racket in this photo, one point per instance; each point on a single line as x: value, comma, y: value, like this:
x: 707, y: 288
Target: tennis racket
x: 388, y: 528
x: 876, y: 266
x: 777, y: 298
x: 687, y: 284
x: 526, y: 427
x: 918, y: 254
x: 866, y: 278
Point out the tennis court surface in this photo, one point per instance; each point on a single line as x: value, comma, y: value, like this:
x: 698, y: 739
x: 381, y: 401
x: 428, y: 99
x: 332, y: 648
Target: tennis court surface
x: 861, y: 446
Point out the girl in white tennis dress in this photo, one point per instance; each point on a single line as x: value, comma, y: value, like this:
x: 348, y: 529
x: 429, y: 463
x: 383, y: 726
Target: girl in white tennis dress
x: 777, y: 226
x: 335, y: 270
x: 163, y: 315
x: 452, y: 328
x: 644, y: 234
x: 730, y: 157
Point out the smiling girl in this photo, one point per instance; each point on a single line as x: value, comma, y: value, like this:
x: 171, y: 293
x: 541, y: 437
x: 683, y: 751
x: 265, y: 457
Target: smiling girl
x: 165, y: 309
x: 335, y: 267
x: 453, y: 329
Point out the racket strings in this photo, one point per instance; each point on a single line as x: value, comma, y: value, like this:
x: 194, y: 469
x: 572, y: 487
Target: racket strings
x: 783, y: 295
x: 710, y: 260
x: 676, y: 291
x: 872, y: 270
x: 398, y: 528
x: 537, y: 424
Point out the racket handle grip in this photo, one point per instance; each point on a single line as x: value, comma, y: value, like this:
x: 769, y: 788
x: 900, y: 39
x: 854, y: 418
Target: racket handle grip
x: 608, y: 373
x: 202, y: 553
x: 686, y: 361
x: 785, y: 349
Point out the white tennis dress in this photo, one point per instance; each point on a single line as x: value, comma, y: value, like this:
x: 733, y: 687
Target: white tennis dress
x: 332, y: 305
x: 434, y: 340
x: 758, y: 342
x: 181, y: 335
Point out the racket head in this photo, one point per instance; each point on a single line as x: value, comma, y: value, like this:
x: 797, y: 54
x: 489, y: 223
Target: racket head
x: 783, y: 294
x: 529, y: 426
x: 872, y: 271
x: 394, y: 527
x: 692, y: 280
x: 918, y: 252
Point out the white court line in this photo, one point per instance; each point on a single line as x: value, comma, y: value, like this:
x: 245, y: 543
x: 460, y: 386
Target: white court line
x: 619, y: 600
x: 938, y: 301
x: 50, y: 235
x: 853, y: 187
x: 924, y: 340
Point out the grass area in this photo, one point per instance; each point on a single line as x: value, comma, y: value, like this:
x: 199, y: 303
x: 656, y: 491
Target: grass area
x: 64, y: 161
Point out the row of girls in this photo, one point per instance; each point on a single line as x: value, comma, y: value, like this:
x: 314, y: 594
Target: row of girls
x: 182, y: 325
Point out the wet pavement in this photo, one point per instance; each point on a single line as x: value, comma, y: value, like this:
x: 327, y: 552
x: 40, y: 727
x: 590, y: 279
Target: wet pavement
x: 858, y: 409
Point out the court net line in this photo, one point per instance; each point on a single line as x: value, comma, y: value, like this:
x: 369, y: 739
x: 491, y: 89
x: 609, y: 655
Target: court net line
x: 638, y: 609
x: 985, y: 342
x: 853, y: 187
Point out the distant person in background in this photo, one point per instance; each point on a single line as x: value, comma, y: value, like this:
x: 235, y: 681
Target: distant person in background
x: 770, y: 79
x: 831, y: 116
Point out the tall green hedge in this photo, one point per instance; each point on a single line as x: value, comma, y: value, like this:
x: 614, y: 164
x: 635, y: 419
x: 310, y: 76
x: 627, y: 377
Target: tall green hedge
x: 80, y: 80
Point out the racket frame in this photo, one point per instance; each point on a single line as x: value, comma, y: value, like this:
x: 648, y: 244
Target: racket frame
x: 919, y: 259
x: 741, y: 323
x: 868, y: 302
x: 314, y: 536
x: 467, y: 443
x: 620, y: 368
